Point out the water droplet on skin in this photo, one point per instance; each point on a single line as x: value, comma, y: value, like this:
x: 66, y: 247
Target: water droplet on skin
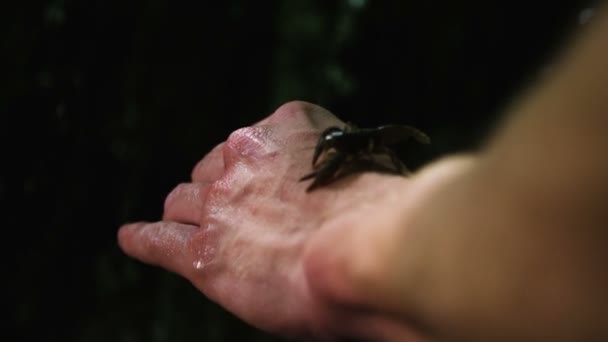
x: 199, y: 265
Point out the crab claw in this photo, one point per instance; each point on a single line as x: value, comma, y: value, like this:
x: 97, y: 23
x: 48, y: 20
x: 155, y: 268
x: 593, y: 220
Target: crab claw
x: 417, y: 134
x: 324, y: 142
x: 391, y: 134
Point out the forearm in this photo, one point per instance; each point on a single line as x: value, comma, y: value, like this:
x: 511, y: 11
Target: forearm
x: 461, y: 262
x: 516, y: 243
x: 510, y: 243
x: 552, y: 147
x: 488, y: 269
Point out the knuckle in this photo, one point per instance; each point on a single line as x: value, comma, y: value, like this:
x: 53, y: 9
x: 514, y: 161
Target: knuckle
x: 246, y: 143
x: 304, y: 112
x: 293, y: 110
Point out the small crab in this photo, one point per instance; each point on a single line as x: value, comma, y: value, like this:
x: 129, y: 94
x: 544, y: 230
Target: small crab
x: 353, y: 146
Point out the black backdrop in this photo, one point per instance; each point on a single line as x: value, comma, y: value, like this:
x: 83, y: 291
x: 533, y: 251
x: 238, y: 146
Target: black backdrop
x: 112, y: 103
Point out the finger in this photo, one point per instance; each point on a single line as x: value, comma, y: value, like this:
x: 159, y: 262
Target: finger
x: 211, y: 167
x: 164, y: 243
x: 184, y: 203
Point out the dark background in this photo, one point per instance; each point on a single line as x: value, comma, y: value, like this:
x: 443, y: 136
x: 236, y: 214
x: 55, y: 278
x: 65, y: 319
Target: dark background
x: 107, y: 105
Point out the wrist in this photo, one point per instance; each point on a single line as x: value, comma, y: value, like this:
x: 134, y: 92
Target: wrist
x: 345, y: 257
x: 347, y: 261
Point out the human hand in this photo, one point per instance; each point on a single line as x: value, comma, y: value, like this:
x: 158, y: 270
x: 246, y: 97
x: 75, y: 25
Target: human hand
x: 247, y: 234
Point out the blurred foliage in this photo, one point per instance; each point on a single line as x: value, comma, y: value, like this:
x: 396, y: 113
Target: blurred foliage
x: 113, y: 102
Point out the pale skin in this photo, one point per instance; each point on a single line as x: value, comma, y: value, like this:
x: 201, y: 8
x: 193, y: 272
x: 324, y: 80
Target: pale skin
x: 505, y: 243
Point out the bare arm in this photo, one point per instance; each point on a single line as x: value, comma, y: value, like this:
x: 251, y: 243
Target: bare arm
x: 509, y: 244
